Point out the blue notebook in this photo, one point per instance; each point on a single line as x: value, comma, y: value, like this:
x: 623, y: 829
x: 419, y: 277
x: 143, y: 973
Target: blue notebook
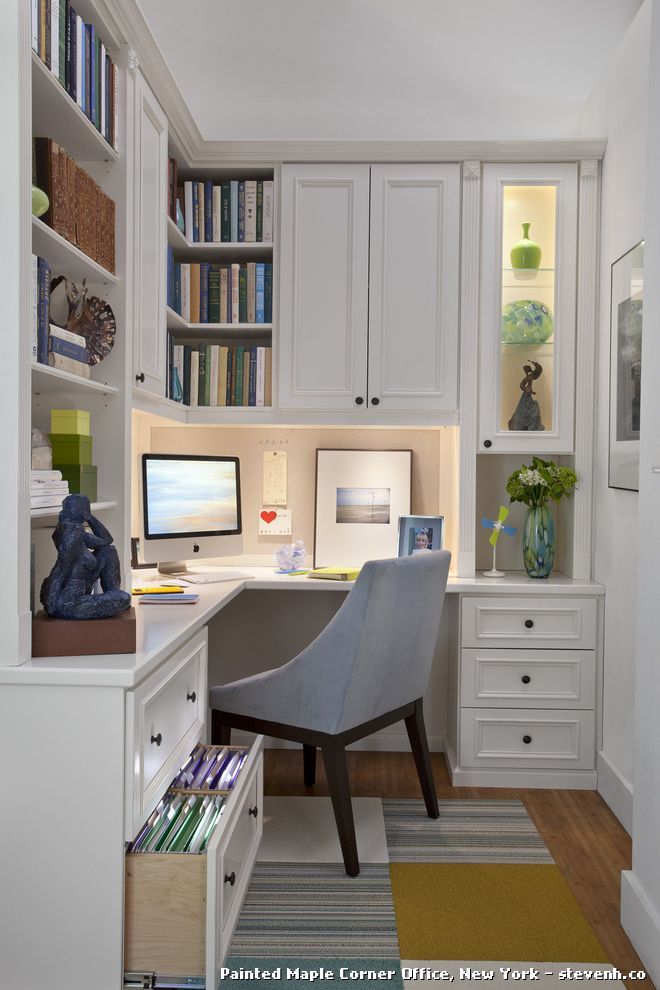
x: 178, y: 598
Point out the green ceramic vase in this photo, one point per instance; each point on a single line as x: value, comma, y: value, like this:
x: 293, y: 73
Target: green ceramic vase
x: 526, y: 253
x: 539, y: 541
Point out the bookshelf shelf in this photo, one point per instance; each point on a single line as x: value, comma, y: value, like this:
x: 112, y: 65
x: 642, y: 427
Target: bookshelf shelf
x: 176, y: 324
x: 51, y: 381
x: 209, y: 415
x: 54, y: 114
x: 66, y: 257
x: 215, y: 249
x: 53, y: 513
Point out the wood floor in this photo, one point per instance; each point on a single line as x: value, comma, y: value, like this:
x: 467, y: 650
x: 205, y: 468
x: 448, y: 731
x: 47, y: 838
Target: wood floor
x: 587, y: 842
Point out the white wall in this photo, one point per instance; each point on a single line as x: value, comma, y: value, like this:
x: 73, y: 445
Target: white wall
x: 617, y: 109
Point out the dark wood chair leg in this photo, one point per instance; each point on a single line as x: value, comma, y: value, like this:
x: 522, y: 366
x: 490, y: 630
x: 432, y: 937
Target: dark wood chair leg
x: 309, y: 765
x: 420, y: 749
x: 334, y: 758
x: 220, y: 732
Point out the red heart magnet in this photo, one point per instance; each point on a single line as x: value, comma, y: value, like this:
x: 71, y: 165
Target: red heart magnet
x: 268, y: 516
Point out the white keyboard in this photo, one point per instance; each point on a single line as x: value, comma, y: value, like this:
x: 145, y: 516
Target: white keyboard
x: 211, y: 577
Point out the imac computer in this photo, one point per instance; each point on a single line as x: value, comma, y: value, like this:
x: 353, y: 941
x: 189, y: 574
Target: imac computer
x: 191, y: 508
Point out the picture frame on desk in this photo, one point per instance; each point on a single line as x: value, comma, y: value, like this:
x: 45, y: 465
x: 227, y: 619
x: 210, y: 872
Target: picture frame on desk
x: 360, y: 495
x: 419, y: 534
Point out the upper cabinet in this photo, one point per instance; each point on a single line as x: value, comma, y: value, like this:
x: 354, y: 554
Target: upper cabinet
x: 527, y: 324
x: 150, y: 240
x: 369, y: 287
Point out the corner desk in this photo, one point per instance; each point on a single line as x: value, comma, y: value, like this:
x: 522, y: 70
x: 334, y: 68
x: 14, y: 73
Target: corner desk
x: 518, y: 667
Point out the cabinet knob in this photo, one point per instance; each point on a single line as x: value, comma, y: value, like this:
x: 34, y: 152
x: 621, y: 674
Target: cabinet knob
x: 140, y: 377
x: 488, y: 443
x: 191, y: 697
x: 253, y: 811
x: 527, y: 740
x: 230, y: 878
x: 525, y: 678
x: 529, y: 623
x: 358, y: 400
x: 157, y: 739
x: 375, y: 401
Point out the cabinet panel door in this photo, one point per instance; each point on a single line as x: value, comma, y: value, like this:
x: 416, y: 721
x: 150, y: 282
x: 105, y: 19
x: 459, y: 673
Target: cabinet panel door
x: 413, y: 293
x: 150, y: 171
x: 324, y: 286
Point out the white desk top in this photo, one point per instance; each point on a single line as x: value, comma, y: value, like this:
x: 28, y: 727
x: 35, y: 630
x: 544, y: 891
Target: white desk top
x: 162, y: 629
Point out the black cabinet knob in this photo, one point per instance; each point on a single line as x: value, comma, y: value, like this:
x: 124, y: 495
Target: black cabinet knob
x: 529, y: 623
x: 191, y: 697
x: 375, y: 401
x: 488, y: 443
x: 527, y: 740
x: 230, y: 878
x: 253, y: 811
x: 140, y: 377
x: 525, y: 678
x: 358, y: 400
x: 157, y: 739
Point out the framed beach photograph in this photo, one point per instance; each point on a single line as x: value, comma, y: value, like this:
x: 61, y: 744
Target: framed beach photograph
x: 419, y: 534
x: 360, y: 495
x: 626, y: 312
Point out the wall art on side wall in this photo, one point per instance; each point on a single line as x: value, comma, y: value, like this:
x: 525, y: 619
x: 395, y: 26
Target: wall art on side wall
x: 626, y: 310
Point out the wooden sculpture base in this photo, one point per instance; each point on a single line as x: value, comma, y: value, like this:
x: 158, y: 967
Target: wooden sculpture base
x: 83, y: 637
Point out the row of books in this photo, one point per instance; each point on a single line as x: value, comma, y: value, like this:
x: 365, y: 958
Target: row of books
x: 53, y: 345
x: 234, y: 210
x: 219, y: 375
x: 79, y: 209
x: 47, y: 489
x: 78, y: 59
x: 206, y: 293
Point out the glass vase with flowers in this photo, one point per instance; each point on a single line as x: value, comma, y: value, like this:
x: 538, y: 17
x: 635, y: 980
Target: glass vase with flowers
x: 535, y: 485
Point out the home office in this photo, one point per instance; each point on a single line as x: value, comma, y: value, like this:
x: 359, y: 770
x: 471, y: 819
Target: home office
x: 343, y: 276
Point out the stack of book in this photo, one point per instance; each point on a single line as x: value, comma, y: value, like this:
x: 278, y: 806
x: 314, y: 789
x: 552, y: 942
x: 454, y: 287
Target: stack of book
x: 79, y: 209
x: 47, y: 489
x: 206, y: 293
x: 78, y: 59
x: 68, y: 351
x: 53, y: 345
x: 219, y: 375
x: 232, y: 211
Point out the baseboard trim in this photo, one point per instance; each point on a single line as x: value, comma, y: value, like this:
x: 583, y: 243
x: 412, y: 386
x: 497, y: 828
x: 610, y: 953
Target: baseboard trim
x: 575, y: 780
x: 616, y: 791
x: 641, y: 923
x: 378, y: 743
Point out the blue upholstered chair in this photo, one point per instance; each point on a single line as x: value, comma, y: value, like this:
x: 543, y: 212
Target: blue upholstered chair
x: 368, y: 668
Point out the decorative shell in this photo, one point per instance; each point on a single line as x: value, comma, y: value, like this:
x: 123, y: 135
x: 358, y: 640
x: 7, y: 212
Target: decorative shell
x: 89, y: 316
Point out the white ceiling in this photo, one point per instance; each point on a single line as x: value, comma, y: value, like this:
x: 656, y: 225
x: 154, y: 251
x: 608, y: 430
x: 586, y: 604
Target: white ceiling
x: 387, y: 69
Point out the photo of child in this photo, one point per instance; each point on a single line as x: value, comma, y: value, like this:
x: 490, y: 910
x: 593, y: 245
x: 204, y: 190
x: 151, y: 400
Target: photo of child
x: 420, y: 539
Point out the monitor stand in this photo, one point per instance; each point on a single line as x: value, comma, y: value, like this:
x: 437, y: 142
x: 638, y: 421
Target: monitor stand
x: 172, y: 568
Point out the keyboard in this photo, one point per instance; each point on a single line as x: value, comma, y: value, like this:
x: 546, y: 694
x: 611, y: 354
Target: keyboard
x: 211, y: 577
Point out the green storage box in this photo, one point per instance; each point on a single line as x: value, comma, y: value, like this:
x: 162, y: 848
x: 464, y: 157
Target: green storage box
x: 70, y: 421
x: 71, y: 448
x: 81, y: 478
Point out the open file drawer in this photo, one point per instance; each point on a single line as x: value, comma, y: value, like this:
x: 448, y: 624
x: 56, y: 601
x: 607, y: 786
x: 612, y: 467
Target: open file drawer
x: 181, y: 908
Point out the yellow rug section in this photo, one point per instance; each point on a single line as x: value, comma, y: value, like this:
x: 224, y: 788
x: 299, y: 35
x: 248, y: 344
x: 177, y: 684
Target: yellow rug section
x: 489, y: 911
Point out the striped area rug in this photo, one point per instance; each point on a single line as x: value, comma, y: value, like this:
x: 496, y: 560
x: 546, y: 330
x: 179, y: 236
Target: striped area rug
x: 466, y: 832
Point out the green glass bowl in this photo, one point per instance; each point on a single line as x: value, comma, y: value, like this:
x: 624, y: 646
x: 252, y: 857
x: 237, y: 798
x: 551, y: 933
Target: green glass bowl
x: 526, y: 321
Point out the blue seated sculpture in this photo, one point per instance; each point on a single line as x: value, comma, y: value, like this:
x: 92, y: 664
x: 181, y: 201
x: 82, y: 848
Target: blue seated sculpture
x: 83, y: 558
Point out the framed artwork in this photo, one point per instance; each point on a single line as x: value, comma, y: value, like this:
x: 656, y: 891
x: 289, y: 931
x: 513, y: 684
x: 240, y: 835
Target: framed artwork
x: 360, y: 495
x: 625, y: 368
x: 418, y: 534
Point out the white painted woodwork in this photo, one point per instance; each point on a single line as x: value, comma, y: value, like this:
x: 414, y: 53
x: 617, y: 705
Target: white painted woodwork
x: 150, y: 213
x: 568, y: 623
x: 555, y: 678
x: 559, y: 437
x: 413, y: 286
x: 493, y: 737
x: 324, y: 286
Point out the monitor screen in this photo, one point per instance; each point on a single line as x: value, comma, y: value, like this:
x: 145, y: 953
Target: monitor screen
x: 190, y: 496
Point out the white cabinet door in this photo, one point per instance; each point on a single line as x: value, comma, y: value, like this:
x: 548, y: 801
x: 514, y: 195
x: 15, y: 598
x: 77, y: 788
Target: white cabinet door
x: 527, y: 321
x: 324, y: 286
x: 413, y: 293
x: 150, y: 212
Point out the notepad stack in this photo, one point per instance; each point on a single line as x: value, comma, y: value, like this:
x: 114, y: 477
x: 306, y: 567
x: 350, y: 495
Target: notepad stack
x: 72, y: 450
x: 47, y: 489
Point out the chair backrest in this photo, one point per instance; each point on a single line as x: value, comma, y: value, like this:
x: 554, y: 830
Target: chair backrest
x: 375, y: 654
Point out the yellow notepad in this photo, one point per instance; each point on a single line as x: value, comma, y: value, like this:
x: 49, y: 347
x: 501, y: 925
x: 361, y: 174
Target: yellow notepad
x: 335, y: 573
x: 158, y: 590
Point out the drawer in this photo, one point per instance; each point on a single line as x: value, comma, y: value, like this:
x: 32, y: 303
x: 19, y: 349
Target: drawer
x: 181, y: 908
x: 525, y: 678
x: 165, y: 717
x: 559, y: 623
x: 527, y: 738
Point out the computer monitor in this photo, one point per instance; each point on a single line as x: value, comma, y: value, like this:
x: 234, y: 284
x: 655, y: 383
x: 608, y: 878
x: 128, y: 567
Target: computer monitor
x: 191, y: 508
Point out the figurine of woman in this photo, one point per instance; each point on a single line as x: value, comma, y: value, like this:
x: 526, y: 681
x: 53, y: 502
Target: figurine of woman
x: 83, y: 558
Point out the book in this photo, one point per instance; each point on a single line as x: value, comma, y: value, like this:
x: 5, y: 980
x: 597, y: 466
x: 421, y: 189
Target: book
x: 43, y: 276
x: 168, y: 589
x: 250, y: 210
x: 242, y: 295
x: 230, y: 366
x: 195, y: 211
x: 251, y: 294
x: 194, y: 292
x: 268, y: 384
x: 185, y: 292
x: 61, y: 42
x: 238, y: 376
x: 225, y: 310
x: 79, y: 60
x: 267, y: 229
x: 54, y: 36
x: 268, y: 292
x: 252, y: 390
x: 201, y: 380
x: 235, y: 270
x: 259, y: 292
x: 46, y: 501
x: 222, y: 376
x: 261, y: 376
x: 194, y: 377
x: 208, y: 210
x: 63, y: 334
x: 187, y: 353
x: 53, y: 488
x: 34, y: 297
x: 214, y: 374
x: 188, y: 208
x: 207, y: 373
x: 335, y: 573
x: 214, y: 294
x: 45, y: 474
x: 176, y: 598
x: 63, y: 363
x: 217, y: 212
x: 241, y: 212
x: 66, y: 349
x: 225, y: 215
x: 233, y: 210
x: 260, y: 210
x: 34, y: 25
x: 204, y: 292
x: 246, y: 376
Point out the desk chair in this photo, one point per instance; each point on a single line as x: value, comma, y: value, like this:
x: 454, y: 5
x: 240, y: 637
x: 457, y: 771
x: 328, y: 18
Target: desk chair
x: 367, y: 669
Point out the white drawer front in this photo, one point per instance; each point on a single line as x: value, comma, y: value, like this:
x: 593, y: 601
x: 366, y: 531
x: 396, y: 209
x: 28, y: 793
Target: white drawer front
x: 568, y: 623
x: 528, y: 678
x: 525, y: 738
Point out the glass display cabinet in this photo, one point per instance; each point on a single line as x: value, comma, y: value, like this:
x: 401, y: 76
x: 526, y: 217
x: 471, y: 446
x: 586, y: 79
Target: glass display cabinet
x: 528, y: 271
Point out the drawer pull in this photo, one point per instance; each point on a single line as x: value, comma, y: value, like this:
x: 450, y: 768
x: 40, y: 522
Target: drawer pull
x: 525, y: 678
x: 529, y: 623
x: 253, y: 811
x: 191, y: 697
x: 157, y: 739
x: 527, y: 740
x: 230, y: 878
